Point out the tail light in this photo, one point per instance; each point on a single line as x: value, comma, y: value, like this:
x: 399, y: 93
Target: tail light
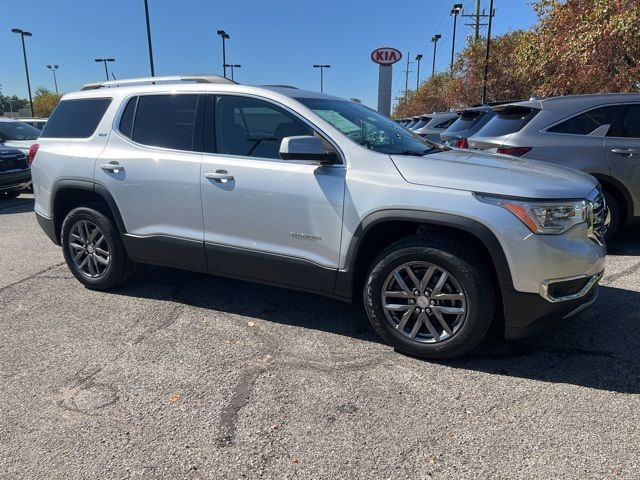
x: 462, y: 143
x: 515, y: 151
x: 33, y: 149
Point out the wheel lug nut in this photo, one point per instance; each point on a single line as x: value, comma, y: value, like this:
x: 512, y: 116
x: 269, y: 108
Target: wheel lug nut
x: 428, y: 310
x: 412, y: 301
x: 418, y: 310
x: 433, y: 302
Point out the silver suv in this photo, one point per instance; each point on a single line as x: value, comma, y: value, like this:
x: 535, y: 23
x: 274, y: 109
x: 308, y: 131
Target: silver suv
x: 598, y: 134
x: 307, y: 191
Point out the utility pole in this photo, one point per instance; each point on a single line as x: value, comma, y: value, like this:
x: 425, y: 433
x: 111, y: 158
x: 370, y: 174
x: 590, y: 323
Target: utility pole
x: 53, y: 68
x: 435, y: 39
x: 322, y: 67
x: 232, y: 66
x: 486, y: 57
x: 146, y: 14
x: 418, y: 58
x: 475, y: 19
x: 406, y: 76
x: 23, y: 34
x: 105, y: 60
x: 225, y: 36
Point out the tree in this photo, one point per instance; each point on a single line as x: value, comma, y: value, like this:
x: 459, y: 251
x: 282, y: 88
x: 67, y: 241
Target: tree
x: 44, y: 101
x: 13, y: 103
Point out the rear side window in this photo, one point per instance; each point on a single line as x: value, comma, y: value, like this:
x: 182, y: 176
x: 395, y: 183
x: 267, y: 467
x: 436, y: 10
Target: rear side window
x: 507, y: 121
x: 76, y: 118
x: 446, y: 123
x: 587, y: 122
x: 167, y: 121
x: 126, y: 121
x: 628, y: 124
x: 465, y: 121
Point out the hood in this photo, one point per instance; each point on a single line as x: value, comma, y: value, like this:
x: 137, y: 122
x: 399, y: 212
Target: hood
x: 482, y: 172
x: 22, y: 145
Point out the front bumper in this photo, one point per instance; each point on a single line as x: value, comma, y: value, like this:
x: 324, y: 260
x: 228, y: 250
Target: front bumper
x: 529, y: 313
x: 15, y: 180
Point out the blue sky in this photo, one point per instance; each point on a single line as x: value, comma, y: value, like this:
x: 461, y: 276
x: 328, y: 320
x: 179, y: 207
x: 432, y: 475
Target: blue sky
x: 275, y: 41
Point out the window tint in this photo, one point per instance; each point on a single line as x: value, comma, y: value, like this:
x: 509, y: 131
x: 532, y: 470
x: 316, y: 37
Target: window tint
x: 508, y: 120
x: 18, y: 131
x: 253, y: 128
x: 587, y: 122
x: 628, y: 124
x: 76, y: 118
x: 465, y: 121
x: 126, y: 121
x: 446, y: 123
x: 166, y: 121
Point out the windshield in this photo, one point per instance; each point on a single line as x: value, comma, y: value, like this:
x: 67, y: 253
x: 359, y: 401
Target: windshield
x: 18, y: 131
x: 368, y: 128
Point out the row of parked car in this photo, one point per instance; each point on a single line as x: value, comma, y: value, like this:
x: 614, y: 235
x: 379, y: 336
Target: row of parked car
x: 597, y: 134
x: 16, y: 139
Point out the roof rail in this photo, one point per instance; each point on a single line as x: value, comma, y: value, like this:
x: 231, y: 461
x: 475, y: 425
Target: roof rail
x: 167, y: 79
x: 280, y: 86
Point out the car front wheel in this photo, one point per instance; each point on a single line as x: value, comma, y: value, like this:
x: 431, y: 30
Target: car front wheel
x: 430, y: 296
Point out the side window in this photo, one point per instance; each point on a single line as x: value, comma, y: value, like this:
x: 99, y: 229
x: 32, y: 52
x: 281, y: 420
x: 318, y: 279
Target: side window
x: 587, y: 122
x: 76, y: 118
x: 446, y: 123
x: 167, y: 121
x: 253, y: 128
x: 126, y: 121
x: 628, y: 123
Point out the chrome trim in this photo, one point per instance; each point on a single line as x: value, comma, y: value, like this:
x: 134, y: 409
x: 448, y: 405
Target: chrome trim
x: 582, y: 307
x: 544, y: 287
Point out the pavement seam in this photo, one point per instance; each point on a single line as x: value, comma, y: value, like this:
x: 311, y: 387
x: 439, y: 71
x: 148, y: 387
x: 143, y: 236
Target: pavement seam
x: 30, y: 277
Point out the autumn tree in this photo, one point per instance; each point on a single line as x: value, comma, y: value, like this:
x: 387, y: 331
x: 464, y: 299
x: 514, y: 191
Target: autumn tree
x: 44, y: 101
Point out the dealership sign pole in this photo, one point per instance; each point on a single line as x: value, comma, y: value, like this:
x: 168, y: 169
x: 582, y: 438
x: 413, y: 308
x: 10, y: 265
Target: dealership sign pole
x: 385, y: 58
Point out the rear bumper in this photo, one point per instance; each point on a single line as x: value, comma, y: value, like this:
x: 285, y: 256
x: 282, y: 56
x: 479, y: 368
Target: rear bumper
x: 48, y: 226
x: 15, y: 180
x: 529, y: 313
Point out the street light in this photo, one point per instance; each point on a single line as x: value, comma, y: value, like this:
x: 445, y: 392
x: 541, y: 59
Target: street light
x: 457, y: 8
x: 53, y: 68
x: 26, y: 67
x: 486, y: 57
x: 435, y: 39
x: 418, y: 58
x: 146, y: 14
x: 232, y: 67
x: 322, y: 67
x: 225, y: 36
x: 105, y: 60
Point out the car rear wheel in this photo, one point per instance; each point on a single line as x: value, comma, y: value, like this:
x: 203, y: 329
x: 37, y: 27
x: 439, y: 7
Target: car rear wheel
x: 93, y: 249
x: 430, y: 296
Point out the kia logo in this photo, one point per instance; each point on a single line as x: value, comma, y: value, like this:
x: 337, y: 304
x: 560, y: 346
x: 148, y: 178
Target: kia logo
x: 386, y: 56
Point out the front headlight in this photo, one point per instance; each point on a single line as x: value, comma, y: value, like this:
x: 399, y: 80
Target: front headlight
x: 542, y: 216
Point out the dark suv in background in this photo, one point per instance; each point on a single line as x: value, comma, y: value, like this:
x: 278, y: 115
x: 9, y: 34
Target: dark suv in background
x: 15, y: 172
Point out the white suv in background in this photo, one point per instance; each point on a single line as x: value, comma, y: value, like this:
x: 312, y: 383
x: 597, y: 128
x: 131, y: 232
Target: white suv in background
x: 307, y: 191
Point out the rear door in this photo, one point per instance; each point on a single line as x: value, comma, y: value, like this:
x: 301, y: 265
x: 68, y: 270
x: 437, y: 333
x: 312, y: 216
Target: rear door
x: 151, y: 167
x: 266, y: 218
x: 622, y: 149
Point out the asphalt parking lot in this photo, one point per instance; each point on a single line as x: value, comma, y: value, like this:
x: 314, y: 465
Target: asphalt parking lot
x: 181, y: 375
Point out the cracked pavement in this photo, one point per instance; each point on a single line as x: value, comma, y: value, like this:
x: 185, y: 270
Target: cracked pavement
x: 181, y: 375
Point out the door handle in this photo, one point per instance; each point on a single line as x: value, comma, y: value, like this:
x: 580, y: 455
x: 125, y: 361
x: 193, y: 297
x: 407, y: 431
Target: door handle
x: 112, y: 166
x: 220, y: 176
x: 624, y: 151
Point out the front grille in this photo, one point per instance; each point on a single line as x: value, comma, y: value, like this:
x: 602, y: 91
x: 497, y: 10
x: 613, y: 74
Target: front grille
x: 599, y: 215
x: 13, y: 162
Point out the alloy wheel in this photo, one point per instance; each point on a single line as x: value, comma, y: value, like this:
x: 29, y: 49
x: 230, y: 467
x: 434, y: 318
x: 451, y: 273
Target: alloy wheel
x: 89, y: 249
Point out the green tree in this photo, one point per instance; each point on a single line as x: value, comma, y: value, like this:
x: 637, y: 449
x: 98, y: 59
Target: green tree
x: 44, y: 101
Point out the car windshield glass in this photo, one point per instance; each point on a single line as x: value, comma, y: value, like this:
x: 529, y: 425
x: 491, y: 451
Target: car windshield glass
x: 368, y: 128
x: 508, y: 120
x: 18, y: 131
x: 465, y: 121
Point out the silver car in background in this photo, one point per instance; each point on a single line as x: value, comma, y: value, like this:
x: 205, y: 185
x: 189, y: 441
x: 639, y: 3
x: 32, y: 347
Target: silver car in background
x: 598, y: 134
x: 468, y: 123
x: 436, y: 124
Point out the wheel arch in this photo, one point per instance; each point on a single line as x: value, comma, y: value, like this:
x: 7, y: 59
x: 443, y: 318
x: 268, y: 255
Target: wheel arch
x: 366, y: 243
x: 619, y: 191
x: 69, y: 194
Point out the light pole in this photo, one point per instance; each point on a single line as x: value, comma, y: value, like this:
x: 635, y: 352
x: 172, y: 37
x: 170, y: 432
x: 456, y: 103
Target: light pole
x: 225, y: 36
x: 105, y: 60
x: 418, y: 58
x: 435, y: 39
x: 322, y: 67
x: 486, y: 57
x: 146, y: 14
x: 457, y: 8
x: 232, y: 66
x: 26, y: 67
x: 53, y: 68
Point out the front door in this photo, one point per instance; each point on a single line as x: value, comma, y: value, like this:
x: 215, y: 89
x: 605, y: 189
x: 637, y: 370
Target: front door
x: 265, y: 218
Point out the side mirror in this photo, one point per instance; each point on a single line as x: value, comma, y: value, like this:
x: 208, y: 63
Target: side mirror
x: 306, y: 147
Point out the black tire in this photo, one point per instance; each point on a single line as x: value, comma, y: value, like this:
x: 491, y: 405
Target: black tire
x: 468, y: 269
x: 9, y: 195
x: 120, y: 266
x: 616, y: 215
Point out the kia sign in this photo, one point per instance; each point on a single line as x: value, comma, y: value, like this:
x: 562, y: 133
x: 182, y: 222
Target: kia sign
x: 386, y: 56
